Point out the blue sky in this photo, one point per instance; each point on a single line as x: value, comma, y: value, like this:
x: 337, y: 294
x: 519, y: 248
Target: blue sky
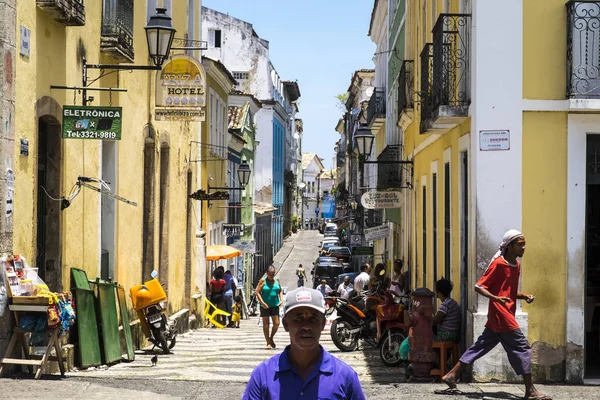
x: 320, y: 43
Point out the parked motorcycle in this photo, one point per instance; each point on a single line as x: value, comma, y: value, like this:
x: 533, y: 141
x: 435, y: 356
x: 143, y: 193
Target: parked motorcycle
x: 253, y: 306
x: 392, y: 330
x: 356, y: 319
x: 149, y: 301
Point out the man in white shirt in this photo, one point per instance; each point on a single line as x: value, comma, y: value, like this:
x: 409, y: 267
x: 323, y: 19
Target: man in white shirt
x: 361, y: 282
x: 345, y: 288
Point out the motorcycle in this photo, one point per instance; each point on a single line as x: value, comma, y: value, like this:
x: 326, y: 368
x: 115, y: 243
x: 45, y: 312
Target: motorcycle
x: 356, y: 319
x: 253, y: 307
x: 391, y: 330
x: 149, y: 301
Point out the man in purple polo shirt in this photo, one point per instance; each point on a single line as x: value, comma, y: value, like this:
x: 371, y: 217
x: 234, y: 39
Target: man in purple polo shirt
x: 304, y: 370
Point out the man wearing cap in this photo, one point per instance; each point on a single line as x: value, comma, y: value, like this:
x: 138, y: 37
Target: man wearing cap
x: 304, y: 369
x: 500, y: 284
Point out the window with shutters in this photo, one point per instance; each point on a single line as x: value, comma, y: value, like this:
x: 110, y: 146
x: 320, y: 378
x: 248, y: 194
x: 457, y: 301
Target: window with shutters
x: 424, y: 206
x: 447, y: 216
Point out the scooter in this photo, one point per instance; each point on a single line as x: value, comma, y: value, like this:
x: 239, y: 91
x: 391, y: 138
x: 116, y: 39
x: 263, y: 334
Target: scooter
x: 356, y: 319
x: 391, y: 330
x: 150, y: 301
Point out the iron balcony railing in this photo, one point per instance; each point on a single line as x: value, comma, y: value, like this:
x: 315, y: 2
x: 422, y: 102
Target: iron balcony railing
x: 583, y: 49
x: 66, y: 12
x: 373, y: 218
x: 389, y: 176
x: 376, y: 107
x: 117, y: 29
x: 451, y: 65
x: 426, y: 92
x: 406, y: 86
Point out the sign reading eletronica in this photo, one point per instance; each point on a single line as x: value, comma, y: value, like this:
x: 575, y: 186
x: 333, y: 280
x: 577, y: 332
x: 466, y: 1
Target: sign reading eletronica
x: 81, y: 122
x: 376, y: 233
x: 181, y: 90
x: 377, y: 200
x: 494, y: 140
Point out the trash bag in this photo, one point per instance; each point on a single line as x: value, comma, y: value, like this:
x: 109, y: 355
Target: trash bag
x: 404, y: 349
x: 36, y: 323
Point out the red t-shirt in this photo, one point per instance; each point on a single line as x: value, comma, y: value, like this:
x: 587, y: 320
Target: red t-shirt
x: 501, y: 279
x: 217, y: 285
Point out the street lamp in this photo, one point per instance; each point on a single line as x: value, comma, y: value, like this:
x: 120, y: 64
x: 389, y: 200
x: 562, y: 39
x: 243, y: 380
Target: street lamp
x: 353, y: 204
x: 159, y: 35
x: 244, y: 173
x: 364, y: 139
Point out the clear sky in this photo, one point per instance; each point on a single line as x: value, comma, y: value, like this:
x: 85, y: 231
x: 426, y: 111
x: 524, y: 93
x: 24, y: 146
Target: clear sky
x: 319, y: 43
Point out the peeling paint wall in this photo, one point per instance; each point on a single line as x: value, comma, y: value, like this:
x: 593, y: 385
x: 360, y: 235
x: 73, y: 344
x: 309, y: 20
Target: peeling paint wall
x: 8, y: 54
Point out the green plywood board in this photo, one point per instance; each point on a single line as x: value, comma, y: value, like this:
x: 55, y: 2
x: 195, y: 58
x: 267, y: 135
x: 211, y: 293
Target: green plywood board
x: 79, y: 279
x: 125, y: 322
x: 109, y: 322
x: 88, y: 343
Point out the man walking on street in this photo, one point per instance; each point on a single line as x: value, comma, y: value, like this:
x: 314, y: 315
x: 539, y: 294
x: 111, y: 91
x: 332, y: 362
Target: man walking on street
x: 304, y: 369
x: 268, y: 292
x: 499, y: 284
x: 301, y: 274
x: 345, y: 288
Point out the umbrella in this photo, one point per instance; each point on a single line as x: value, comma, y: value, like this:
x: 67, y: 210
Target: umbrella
x: 221, y: 252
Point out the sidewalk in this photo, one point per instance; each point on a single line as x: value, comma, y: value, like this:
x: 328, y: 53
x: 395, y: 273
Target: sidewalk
x: 71, y: 388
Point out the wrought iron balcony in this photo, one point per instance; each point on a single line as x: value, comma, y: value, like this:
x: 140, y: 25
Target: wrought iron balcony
x: 583, y: 49
x: 426, y: 91
x: 373, y: 218
x: 66, y: 12
x: 406, y: 86
x: 389, y: 176
x: 117, y: 29
x: 451, y: 65
x: 376, y: 108
x: 341, y: 157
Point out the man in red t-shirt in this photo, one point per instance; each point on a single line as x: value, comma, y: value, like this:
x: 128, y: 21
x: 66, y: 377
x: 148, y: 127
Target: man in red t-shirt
x: 499, y: 284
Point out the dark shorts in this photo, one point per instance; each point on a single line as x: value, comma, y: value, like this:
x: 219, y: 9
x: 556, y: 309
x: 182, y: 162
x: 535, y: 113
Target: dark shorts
x: 269, y: 312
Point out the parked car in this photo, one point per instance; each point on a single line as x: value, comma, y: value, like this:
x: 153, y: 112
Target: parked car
x: 328, y: 271
x: 330, y: 229
x: 329, y: 244
x: 325, y: 259
x: 343, y: 254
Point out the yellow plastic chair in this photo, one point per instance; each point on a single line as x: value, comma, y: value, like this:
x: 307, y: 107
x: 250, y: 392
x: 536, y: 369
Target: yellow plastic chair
x: 212, y: 317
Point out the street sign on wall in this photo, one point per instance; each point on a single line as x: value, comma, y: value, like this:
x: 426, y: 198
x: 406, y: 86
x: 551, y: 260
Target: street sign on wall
x: 362, y: 251
x: 494, y: 140
x: 181, y: 90
x: 377, y: 200
x: 376, y: 233
x: 84, y: 122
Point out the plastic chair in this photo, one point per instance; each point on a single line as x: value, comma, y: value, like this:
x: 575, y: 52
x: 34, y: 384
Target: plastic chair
x: 443, y: 347
x: 212, y: 317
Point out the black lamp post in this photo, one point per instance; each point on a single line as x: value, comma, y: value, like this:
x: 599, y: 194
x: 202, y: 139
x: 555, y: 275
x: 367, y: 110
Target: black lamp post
x: 159, y: 35
x: 244, y: 174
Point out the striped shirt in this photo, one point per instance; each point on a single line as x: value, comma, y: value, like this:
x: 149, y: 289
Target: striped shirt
x: 451, y: 322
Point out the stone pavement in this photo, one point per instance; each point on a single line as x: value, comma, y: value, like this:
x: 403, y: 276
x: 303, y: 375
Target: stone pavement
x: 206, y: 362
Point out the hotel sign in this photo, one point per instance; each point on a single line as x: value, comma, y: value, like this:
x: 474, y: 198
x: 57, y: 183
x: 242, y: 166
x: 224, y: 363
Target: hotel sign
x: 81, y: 122
x: 181, y: 90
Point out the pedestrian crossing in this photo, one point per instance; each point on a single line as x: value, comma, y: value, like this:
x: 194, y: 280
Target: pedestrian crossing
x: 230, y: 355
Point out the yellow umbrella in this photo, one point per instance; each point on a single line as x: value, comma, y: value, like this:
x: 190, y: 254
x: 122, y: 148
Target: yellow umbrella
x: 221, y: 252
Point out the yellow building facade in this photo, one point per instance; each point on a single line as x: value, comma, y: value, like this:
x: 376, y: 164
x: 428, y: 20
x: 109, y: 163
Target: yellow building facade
x: 497, y: 144
x: 150, y: 165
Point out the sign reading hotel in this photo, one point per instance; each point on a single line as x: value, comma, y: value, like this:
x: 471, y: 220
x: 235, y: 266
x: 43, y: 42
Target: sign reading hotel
x: 376, y: 233
x: 378, y: 200
x: 181, y: 90
x: 494, y: 140
x: 81, y: 122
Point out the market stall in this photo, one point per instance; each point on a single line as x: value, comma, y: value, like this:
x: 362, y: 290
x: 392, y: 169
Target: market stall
x: 41, y: 316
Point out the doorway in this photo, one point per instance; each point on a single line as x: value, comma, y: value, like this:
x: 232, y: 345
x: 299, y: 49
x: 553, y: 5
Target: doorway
x: 464, y: 242
x: 108, y: 216
x: 48, y: 234
x: 592, y: 259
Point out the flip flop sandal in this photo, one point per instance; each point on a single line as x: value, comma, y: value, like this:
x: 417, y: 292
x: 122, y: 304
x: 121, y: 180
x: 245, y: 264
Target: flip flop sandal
x: 449, y: 391
x: 273, y: 345
x: 539, y: 397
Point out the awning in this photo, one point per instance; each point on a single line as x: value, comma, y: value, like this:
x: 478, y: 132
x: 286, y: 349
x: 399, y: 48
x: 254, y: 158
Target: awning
x: 221, y: 252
